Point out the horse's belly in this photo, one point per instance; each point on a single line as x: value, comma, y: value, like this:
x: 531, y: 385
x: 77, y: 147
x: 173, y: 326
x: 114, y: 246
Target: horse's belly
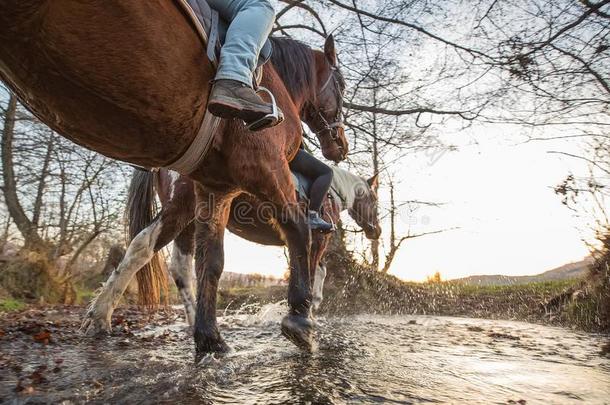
x: 248, y: 221
x: 126, y: 79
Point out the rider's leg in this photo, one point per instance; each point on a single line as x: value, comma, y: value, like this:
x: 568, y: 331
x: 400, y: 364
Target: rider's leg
x: 322, y: 176
x: 250, y: 25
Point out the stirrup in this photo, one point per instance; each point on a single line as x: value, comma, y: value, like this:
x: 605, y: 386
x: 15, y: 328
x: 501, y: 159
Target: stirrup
x: 269, y: 120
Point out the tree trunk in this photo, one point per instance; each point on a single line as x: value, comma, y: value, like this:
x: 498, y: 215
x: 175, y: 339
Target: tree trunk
x: 394, y: 244
x: 375, y: 243
x: 28, y: 230
x: 42, y: 182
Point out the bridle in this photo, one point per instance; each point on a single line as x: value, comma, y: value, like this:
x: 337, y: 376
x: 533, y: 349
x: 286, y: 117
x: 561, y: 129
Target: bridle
x: 337, y: 121
x: 359, y: 218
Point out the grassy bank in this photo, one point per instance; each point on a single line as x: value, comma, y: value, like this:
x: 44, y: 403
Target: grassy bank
x: 11, y: 305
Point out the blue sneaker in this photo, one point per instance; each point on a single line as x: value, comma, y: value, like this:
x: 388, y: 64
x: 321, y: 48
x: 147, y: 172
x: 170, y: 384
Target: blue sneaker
x: 316, y: 222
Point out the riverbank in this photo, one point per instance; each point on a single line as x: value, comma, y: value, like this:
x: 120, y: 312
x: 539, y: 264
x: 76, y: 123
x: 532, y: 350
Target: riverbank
x: 353, y: 292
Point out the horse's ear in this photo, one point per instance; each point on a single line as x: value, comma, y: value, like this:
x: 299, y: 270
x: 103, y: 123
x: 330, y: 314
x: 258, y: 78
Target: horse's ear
x: 329, y: 50
x: 374, y: 182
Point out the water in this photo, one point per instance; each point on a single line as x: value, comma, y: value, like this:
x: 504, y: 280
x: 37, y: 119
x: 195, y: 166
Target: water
x: 362, y: 359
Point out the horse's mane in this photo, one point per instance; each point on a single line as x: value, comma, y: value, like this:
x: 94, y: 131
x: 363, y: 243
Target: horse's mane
x: 295, y: 64
x: 345, y: 184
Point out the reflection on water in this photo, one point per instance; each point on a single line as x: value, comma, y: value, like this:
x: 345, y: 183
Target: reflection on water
x: 363, y: 359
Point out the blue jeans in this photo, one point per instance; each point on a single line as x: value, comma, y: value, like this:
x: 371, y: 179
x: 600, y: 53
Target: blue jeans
x: 250, y: 25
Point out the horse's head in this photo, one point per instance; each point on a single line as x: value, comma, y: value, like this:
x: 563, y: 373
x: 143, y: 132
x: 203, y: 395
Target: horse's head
x: 323, y: 114
x: 364, y: 208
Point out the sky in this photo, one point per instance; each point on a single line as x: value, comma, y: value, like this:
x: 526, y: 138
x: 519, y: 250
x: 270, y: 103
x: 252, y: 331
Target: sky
x: 496, y: 189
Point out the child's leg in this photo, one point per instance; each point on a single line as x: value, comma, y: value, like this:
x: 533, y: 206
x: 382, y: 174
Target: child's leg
x: 320, y: 173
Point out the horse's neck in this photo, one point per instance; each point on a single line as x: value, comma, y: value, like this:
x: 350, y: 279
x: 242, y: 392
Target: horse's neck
x: 344, y: 185
x: 303, y: 100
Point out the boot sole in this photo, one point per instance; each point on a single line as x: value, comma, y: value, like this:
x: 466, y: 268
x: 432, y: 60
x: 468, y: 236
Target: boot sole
x: 224, y: 108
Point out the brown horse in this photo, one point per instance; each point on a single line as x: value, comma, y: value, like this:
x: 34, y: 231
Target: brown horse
x: 129, y: 79
x: 246, y: 219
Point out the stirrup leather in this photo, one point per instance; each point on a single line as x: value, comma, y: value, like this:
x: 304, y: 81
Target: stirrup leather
x: 269, y: 120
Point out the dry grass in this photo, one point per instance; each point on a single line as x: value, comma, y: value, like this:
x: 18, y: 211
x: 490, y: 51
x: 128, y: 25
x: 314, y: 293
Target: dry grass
x: 29, y: 277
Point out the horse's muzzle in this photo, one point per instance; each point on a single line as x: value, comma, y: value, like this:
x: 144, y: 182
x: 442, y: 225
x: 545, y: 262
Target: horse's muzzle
x: 335, y: 146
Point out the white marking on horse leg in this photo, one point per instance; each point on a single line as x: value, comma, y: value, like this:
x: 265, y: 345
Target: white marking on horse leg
x: 318, y: 286
x: 182, y: 272
x: 139, y: 252
x: 174, y: 176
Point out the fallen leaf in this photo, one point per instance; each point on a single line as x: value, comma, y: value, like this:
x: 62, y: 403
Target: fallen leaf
x: 38, y: 377
x: 43, y: 337
x: 119, y: 319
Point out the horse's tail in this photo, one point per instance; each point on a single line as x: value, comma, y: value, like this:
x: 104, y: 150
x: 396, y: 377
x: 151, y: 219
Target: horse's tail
x: 152, y: 280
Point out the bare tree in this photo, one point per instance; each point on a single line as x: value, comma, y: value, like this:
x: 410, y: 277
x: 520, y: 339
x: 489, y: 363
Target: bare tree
x: 59, y: 197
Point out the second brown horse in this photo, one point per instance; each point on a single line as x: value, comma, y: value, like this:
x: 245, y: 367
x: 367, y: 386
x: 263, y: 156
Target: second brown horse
x: 249, y: 219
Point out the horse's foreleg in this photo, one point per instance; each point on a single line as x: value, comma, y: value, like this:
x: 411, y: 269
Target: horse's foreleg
x: 318, y: 286
x: 140, y: 251
x: 297, y: 326
x: 318, y: 248
x: 212, y: 217
x: 273, y: 183
x: 181, y: 269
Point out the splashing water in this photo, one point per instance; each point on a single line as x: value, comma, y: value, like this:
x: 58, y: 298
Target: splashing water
x: 256, y: 314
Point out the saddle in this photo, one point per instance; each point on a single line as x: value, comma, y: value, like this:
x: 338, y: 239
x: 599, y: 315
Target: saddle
x: 212, y: 30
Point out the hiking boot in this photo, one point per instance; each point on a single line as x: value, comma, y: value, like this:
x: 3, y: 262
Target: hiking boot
x: 232, y: 99
x: 316, y: 222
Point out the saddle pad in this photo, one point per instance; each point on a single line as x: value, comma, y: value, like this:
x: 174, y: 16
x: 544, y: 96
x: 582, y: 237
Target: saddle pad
x: 302, y: 184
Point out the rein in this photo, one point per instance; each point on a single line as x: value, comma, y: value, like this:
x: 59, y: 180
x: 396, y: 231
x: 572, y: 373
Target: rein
x: 341, y: 198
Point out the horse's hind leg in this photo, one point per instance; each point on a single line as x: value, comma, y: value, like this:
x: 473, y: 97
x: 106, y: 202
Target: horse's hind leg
x: 181, y: 269
x: 212, y: 216
x: 171, y: 221
x: 140, y: 251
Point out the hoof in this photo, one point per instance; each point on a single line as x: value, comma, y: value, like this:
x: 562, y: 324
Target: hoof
x: 209, y: 344
x: 217, y: 347
x: 299, y: 330
x: 93, y: 326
